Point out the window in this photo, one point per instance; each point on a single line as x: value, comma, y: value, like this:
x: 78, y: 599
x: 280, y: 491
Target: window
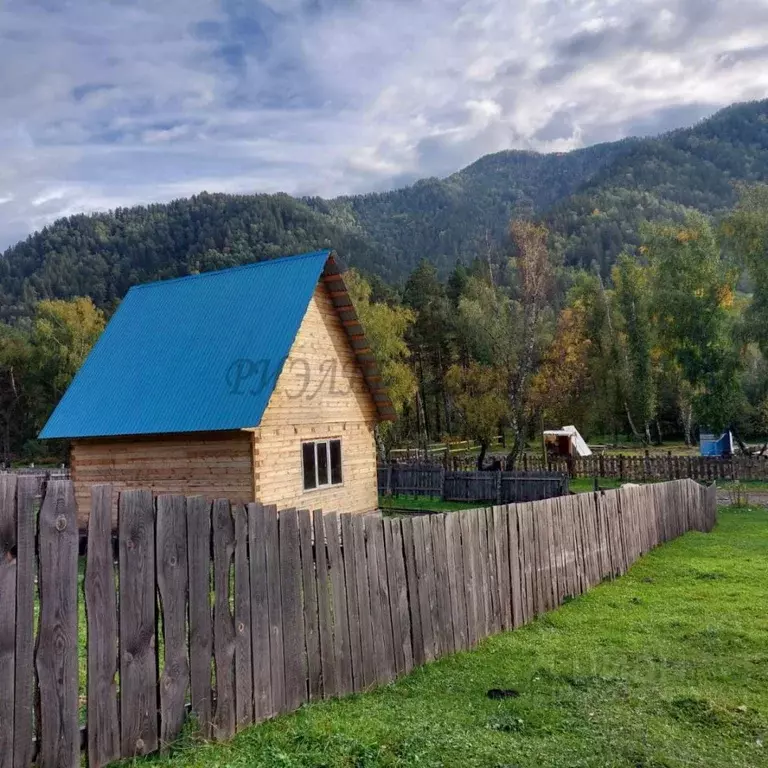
x: 321, y: 464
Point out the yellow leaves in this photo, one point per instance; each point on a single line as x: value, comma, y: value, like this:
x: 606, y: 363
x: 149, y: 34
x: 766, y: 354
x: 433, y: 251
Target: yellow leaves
x: 725, y: 296
x: 596, y: 212
x: 686, y: 235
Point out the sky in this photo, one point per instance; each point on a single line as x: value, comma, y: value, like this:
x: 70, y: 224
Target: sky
x: 111, y: 103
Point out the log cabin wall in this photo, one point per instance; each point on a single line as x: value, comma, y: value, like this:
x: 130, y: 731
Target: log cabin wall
x: 321, y: 393
x: 212, y: 464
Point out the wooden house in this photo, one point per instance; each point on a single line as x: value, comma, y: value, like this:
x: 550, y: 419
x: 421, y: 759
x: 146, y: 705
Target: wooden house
x: 251, y: 383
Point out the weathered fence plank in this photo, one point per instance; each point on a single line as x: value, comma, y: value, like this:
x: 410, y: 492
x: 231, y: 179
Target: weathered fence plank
x: 7, y: 615
x: 224, y: 719
x: 380, y: 661
x: 423, y: 571
x: 494, y: 625
x: 260, y: 623
x: 442, y: 584
x: 57, y: 655
x: 172, y: 582
x: 292, y: 611
x: 27, y: 490
x: 138, y: 624
x: 243, y: 654
x: 309, y: 588
x: 101, y: 613
x: 363, y: 601
x: 468, y: 535
x: 501, y: 542
x: 411, y: 571
x: 398, y: 595
x: 342, y: 632
x: 515, y: 585
x: 455, y: 558
x: 276, y: 660
x: 200, y: 621
x: 353, y: 604
x: 329, y: 674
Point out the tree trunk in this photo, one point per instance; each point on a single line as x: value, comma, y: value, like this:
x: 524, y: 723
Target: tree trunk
x: 481, y: 455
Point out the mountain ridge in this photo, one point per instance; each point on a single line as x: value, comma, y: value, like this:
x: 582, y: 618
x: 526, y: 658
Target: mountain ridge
x: 594, y: 200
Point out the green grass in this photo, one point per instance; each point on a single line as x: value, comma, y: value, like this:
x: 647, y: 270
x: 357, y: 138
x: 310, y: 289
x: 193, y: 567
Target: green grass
x: 665, y: 668
x: 424, y: 504
x: 586, y: 484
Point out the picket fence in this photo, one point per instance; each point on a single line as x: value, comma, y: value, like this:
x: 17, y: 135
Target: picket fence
x: 648, y: 468
x: 277, y: 608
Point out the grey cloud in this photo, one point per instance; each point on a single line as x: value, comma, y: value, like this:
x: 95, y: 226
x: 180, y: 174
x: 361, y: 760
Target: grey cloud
x: 105, y: 104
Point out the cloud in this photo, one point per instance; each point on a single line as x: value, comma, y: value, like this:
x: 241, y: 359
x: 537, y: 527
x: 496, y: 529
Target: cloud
x: 107, y: 104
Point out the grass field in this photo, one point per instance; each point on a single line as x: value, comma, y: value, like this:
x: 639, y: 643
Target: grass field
x: 424, y: 504
x: 665, y: 668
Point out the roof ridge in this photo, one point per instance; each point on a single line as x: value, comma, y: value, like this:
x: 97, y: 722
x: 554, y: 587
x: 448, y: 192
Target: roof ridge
x: 240, y: 267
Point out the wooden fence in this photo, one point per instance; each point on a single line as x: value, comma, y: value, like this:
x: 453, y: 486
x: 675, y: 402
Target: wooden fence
x: 648, y: 468
x: 319, y: 605
x: 495, y: 487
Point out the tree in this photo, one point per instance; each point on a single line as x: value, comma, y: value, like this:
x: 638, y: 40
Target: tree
x: 632, y: 293
x: 385, y: 328
x: 561, y: 383
x: 534, y: 273
x: 693, y: 306
x: 15, y: 354
x: 746, y: 232
x: 63, y: 333
x: 478, y: 393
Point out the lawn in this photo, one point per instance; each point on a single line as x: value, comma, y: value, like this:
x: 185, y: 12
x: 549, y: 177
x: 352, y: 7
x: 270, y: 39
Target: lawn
x: 665, y: 668
x: 424, y: 504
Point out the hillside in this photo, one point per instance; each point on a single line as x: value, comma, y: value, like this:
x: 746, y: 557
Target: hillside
x: 594, y: 200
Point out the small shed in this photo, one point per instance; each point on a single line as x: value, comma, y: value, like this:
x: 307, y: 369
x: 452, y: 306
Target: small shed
x: 251, y: 383
x: 566, y: 442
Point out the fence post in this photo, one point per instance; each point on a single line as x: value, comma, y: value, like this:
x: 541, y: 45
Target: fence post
x: 498, y: 487
x: 621, y: 467
x: 442, y: 483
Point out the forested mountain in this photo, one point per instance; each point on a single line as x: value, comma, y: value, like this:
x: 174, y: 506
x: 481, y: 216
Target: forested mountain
x: 593, y: 201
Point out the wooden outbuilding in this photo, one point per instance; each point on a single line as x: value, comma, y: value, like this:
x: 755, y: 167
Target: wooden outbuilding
x: 251, y: 383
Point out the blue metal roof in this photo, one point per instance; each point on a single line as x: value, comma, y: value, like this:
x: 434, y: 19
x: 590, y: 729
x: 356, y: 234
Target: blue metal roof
x: 199, y: 353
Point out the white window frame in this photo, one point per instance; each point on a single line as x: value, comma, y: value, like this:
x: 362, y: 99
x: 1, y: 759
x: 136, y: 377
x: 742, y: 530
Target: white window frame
x: 330, y: 483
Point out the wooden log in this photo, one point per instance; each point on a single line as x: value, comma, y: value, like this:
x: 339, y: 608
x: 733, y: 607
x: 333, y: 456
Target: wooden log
x: 27, y: 490
x: 329, y: 684
x: 455, y: 561
x: 200, y: 619
x: 398, y: 595
x: 244, y: 705
x: 172, y: 582
x: 224, y: 719
x: 276, y: 659
x: 101, y: 614
x: 260, y: 624
x: 353, y: 603
x: 343, y: 681
x: 309, y: 591
x: 294, y: 652
x: 57, y: 644
x: 7, y: 615
x: 407, y: 528
x: 138, y: 624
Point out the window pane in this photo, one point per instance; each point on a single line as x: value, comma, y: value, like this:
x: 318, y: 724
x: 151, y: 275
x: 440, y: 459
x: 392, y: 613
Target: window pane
x: 308, y: 461
x: 335, y: 462
x: 322, y: 463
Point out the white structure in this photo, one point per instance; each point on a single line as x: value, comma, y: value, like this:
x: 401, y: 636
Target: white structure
x: 566, y: 442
